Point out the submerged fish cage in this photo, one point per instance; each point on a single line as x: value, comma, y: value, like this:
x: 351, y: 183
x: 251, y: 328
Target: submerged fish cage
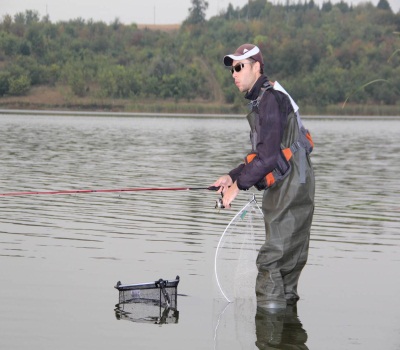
x: 153, y: 302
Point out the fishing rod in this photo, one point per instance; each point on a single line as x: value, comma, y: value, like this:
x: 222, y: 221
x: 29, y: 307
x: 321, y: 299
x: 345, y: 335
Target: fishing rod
x: 134, y: 189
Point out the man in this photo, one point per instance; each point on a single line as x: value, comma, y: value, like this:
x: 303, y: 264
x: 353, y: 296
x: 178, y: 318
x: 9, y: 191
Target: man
x: 279, y: 164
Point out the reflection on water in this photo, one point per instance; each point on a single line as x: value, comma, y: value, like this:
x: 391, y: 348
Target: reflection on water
x: 146, y: 313
x: 279, y: 329
x: 78, y: 245
x: 243, y: 325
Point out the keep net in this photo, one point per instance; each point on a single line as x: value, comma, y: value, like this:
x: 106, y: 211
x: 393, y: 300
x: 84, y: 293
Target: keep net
x: 161, y: 293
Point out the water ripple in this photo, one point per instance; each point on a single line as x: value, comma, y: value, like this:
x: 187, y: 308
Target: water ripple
x: 357, y: 192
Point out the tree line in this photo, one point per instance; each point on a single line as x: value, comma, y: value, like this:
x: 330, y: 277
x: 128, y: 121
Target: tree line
x: 321, y: 54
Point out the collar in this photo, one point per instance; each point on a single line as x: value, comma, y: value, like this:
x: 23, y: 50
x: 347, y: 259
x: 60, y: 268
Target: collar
x: 255, y: 90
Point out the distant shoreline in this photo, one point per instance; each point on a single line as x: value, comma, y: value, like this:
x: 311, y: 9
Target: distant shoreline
x: 57, y: 101
x: 173, y: 115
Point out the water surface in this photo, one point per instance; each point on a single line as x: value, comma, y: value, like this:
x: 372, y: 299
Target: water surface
x: 62, y: 254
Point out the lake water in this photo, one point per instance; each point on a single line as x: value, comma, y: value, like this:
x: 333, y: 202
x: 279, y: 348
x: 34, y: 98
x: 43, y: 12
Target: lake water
x: 61, y: 255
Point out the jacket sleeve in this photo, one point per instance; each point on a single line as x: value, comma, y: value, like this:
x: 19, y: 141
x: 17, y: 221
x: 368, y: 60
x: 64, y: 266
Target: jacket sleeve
x: 234, y: 173
x: 268, y: 148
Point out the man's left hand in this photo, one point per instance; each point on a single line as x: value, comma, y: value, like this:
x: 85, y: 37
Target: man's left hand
x: 229, y: 195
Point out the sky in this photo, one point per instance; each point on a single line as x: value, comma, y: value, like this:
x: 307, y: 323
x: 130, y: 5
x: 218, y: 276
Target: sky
x: 133, y: 11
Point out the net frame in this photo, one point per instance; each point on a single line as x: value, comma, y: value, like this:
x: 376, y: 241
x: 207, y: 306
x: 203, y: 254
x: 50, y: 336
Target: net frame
x: 235, y: 256
x: 162, y: 293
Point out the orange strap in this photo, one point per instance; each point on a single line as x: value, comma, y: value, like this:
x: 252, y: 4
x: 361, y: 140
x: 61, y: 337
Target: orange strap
x: 308, y: 135
x: 249, y: 158
x: 287, y: 152
x: 269, y: 178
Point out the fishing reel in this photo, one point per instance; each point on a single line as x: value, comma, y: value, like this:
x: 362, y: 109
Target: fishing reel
x: 219, y: 204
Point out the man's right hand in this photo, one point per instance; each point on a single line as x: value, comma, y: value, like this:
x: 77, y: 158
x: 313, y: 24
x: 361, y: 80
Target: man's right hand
x: 224, y: 182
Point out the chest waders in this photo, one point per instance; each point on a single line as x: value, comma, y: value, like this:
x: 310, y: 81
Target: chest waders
x: 288, y: 206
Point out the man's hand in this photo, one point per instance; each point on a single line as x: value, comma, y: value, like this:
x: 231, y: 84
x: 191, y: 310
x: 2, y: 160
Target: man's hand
x: 224, y: 182
x: 228, y: 189
x: 229, y: 195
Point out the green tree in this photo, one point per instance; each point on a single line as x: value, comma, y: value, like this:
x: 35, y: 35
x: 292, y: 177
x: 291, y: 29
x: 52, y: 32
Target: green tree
x: 4, y: 83
x: 7, y: 23
x: 35, y: 37
x: 19, y: 85
x: 230, y: 12
x: 9, y: 44
x: 117, y: 81
x: 197, y: 13
x: 384, y: 5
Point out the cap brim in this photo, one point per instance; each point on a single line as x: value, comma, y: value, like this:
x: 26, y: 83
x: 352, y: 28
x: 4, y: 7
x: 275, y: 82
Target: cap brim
x: 228, y: 59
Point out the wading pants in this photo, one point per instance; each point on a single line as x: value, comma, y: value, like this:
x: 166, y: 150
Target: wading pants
x: 288, y: 210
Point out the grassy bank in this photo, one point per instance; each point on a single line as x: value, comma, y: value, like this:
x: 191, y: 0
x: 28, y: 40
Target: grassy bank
x: 44, y: 98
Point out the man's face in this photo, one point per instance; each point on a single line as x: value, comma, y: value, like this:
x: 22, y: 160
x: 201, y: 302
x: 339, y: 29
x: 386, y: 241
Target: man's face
x: 245, y: 73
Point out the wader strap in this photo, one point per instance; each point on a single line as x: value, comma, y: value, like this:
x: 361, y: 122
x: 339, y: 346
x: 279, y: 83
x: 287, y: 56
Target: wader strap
x: 302, y: 165
x: 295, y: 147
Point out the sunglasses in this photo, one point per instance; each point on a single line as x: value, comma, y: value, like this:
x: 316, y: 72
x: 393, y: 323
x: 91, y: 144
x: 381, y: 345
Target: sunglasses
x: 237, y: 68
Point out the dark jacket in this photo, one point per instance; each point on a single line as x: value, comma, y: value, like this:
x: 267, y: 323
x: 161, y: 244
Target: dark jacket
x: 270, y: 129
